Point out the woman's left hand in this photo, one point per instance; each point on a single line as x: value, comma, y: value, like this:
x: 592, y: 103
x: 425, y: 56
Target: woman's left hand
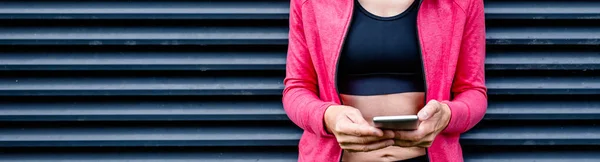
x: 434, y: 118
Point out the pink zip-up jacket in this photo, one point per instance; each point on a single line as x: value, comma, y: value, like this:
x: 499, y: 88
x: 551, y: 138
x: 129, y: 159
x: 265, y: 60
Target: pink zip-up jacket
x: 452, y: 39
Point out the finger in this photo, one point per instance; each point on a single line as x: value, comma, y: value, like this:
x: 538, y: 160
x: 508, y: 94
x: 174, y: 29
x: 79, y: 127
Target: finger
x: 388, y: 134
x: 354, y: 129
x: 361, y: 140
x: 429, y: 110
x: 404, y: 143
x: 356, y: 117
x: 425, y: 144
x: 416, y: 135
x: 408, y: 135
x: 368, y: 147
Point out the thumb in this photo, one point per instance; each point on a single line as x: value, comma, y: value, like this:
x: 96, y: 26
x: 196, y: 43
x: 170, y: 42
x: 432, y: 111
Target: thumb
x: 429, y: 110
x: 359, y: 120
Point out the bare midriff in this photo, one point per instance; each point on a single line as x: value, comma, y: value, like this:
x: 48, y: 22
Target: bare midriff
x: 383, y: 105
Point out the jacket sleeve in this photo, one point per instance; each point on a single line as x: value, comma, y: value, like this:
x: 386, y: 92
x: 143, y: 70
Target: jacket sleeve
x: 469, y: 102
x: 300, y: 100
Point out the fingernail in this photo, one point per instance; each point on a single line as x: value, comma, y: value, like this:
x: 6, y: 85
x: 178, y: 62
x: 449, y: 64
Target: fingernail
x: 377, y: 132
x: 389, y: 134
x: 423, y: 115
x: 390, y: 142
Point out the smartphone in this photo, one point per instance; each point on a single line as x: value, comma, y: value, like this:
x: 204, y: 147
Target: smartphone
x: 401, y: 122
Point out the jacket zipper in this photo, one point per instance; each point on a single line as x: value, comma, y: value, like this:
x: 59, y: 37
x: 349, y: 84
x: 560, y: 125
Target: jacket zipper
x: 338, y: 60
x: 422, y: 66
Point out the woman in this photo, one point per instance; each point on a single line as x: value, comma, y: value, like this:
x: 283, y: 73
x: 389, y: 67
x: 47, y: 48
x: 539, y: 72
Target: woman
x: 351, y: 60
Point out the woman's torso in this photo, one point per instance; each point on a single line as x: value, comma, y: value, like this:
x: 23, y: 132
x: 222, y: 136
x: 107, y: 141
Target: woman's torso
x: 380, y: 71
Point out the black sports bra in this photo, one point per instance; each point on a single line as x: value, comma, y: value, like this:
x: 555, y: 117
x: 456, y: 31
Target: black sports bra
x: 381, y: 54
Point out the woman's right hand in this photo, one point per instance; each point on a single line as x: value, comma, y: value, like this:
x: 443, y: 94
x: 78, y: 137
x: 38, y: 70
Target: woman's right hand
x: 353, y: 132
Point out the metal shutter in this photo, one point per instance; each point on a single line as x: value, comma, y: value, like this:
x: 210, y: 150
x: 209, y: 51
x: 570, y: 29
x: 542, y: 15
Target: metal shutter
x: 201, y: 81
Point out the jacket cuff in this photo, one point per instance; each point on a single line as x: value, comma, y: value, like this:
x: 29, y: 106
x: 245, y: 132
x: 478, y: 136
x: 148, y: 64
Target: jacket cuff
x: 459, y: 117
x: 318, y: 119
